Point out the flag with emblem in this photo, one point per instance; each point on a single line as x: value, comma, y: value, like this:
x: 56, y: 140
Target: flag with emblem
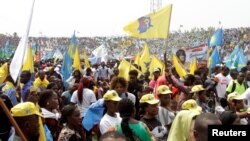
x: 153, y: 25
x: 217, y: 39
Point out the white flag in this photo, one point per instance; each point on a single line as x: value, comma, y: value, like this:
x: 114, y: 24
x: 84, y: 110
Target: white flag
x: 20, y: 53
x: 100, y: 52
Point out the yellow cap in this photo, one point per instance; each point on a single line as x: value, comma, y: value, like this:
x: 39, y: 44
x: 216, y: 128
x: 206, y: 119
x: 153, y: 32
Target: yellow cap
x: 234, y: 96
x: 163, y: 89
x: 191, y: 105
x: 111, y: 95
x: 197, y: 88
x: 149, y: 98
x: 25, y: 109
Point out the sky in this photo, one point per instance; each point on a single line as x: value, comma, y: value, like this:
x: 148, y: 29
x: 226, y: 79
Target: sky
x: 60, y: 18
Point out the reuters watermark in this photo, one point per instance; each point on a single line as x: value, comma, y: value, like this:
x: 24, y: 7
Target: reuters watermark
x: 241, y: 132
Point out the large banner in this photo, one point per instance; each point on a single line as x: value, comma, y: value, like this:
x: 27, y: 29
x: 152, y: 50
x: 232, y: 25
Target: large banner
x: 200, y: 52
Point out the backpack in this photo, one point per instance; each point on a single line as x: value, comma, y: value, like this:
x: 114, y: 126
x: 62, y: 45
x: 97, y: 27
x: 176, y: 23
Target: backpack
x: 234, y: 86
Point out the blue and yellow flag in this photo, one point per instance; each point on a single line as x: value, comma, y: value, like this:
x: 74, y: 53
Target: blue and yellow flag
x: 153, y: 25
x: 72, y: 46
x: 216, y: 39
x: 66, y: 68
x: 214, y: 59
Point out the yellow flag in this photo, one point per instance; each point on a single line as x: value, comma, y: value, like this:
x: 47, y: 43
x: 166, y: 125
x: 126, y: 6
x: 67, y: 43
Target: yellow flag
x: 124, y: 69
x: 86, y: 60
x: 155, y: 63
x: 145, y: 59
x: 193, y: 66
x: 180, y: 70
x: 77, y: 61
x: 3, y: 72
x: 137, y: 58
x: 42, y: 136
x: 153, y: 25
x: 29, y: 61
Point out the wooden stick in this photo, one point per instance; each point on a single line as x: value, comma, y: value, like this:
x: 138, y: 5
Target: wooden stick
x: 12, y: 120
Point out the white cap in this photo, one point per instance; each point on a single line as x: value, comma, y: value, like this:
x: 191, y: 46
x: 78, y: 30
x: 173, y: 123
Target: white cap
x: 156, y: 70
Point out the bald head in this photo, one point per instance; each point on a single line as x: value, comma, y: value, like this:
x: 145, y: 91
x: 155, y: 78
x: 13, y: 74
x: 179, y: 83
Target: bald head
x: 112, y: 136
x: 200, y: 127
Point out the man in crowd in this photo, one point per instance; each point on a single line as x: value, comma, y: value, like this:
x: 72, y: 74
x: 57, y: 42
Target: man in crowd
x: 27, y: 117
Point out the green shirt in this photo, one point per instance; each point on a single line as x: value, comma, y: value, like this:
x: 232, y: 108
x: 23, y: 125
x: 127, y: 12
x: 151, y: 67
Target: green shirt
x: 139, y: 131
x: 239, y: 88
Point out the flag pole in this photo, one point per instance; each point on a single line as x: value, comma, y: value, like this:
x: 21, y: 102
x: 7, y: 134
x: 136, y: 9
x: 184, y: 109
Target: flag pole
x: 12, y: 120
x: 165, y: 41
x: 21, y: 48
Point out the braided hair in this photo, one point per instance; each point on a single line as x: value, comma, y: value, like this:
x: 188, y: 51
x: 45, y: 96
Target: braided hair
x: 84, y: 83
x: 126, y: 109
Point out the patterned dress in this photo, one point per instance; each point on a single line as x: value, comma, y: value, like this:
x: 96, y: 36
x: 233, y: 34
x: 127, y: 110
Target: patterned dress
x: 68, y: 134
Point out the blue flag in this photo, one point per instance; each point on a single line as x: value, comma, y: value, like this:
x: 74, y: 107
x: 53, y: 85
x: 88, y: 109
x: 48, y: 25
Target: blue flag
x: 232, y: 57
x: 66, y: 68
x: 6, y: 50
x: 217, y: 39
x: 240, y: 60
x: 93, y: 115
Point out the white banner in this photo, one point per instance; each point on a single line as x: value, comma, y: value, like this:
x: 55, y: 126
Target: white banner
x: 200, y: 52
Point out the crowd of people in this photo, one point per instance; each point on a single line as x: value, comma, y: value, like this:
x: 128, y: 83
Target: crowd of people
x: 97, y: 103
x: 127, y: 46
x: 164, y: 107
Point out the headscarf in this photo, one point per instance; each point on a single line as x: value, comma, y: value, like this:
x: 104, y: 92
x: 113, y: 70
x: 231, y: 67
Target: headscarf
x: 181, y: 125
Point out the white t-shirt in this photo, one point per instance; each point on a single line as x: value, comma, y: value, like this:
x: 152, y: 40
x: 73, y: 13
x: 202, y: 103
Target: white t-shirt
x: 88, y: 97
x: 222, y: 85
x: 229, y: 78
x: 164, y: 116
x: 108, y: 121
x: 129, y: 96
x: 103, y: 73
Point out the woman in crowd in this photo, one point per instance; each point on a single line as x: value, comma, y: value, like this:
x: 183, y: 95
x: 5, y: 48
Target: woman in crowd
x: 55, y: 87
x: 84, y: 97
x: 119, y: 84
x: 48, y: 101
x: 73, y: 129
x: 133, y: 129
x: 75, y: 78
